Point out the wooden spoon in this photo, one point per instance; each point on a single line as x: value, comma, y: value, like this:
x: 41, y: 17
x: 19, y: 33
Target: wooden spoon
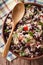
x: 17, y: 14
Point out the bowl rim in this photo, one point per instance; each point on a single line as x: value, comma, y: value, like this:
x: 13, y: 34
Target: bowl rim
x: 27, y: 58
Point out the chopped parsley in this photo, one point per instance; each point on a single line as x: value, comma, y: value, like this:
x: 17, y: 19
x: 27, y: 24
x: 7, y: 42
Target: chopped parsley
x: 40, y: 23
x: 22, y: 53
x: 6, y: 30
x: 31, y: 33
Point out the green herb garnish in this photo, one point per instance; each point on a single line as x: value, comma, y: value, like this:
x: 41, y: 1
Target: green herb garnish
x: 31, y: 33
x: 24, y: 19
x: 22, y: 53
x: 20, y: 28
x: 15, y: 35
x: 29, y: 6
x: 6, y: 30
x: 40, y: 23
x: 30, y: 14
x: 38, y: 30
x: 28, y: 39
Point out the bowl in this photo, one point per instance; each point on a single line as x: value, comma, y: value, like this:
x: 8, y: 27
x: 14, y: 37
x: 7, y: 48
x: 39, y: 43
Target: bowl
x: 10, y: 18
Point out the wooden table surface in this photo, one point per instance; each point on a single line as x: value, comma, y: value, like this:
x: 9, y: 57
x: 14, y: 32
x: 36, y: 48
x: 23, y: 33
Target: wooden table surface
x: 19, y: 61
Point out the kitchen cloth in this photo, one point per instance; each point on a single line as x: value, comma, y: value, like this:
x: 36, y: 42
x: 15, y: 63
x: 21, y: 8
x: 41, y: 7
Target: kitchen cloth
x: 6, y: 6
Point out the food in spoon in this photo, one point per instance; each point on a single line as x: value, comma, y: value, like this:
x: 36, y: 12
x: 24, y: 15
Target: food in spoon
x: 27, y: 38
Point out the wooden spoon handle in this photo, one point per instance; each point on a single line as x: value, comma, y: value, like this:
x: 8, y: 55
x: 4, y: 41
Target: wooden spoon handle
x: 7, y: 45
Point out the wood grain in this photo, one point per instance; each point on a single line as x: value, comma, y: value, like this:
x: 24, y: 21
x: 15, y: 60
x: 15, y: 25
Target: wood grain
x: 20, y: 61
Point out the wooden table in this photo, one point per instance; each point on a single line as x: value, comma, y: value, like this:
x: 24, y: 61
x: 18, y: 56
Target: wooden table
x: 19, y: 61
